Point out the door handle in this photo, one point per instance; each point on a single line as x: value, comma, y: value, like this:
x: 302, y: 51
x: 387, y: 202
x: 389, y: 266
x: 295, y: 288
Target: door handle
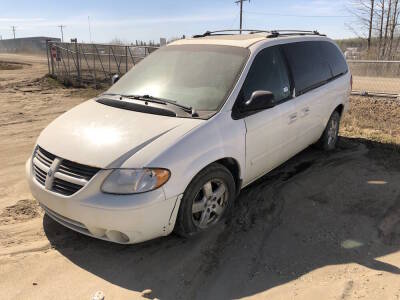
x: 292, y: 118
x: 305, y: 111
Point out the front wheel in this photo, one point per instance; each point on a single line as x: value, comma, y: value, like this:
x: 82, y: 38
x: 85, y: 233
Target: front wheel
x: 206, y: 201
x: 329, y: 138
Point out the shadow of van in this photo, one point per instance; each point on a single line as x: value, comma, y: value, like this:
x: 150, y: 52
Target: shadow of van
x: 317, y: 209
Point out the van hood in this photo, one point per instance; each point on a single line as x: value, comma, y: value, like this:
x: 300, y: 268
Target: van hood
x: 102, y: 136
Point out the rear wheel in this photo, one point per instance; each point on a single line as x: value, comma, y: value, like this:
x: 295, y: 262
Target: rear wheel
x: 206, y: 201
x: 329, y: 138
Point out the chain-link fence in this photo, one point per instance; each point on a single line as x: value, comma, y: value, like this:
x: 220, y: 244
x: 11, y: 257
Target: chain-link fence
x: 375, y: 77
x: 78, y: 63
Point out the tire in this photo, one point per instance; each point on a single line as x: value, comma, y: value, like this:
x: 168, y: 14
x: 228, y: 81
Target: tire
x: 209, y: 195
x: 329, y: 138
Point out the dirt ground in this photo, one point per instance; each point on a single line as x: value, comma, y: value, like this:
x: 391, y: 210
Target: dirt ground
x: 322, y: 226
x: 376, y: 119
x: 376, y: 84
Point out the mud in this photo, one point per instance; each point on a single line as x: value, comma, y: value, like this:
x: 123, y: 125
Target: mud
x: 321, y: 226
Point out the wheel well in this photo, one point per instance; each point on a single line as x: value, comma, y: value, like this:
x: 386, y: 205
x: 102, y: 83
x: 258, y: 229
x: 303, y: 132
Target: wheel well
x: 232, y: 165
x: 339, y: 109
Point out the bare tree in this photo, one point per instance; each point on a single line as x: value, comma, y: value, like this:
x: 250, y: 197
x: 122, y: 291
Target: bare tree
x: 393, y: 25
x: 389, y: 11
x: 364, y: 10
x: 378, y: 22
x: 380, y: 25
x: 371, y: 19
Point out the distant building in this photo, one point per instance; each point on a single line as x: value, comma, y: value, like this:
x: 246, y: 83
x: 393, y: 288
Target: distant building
x: 352, y: 53
x: 28, y: 45
x: 163, y: 42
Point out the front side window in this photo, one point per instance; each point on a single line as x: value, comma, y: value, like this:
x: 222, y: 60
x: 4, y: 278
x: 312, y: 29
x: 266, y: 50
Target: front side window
x: 199, y: 76
x: 267, y: 73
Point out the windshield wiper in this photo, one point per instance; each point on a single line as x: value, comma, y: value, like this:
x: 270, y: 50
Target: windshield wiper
x: 158, y: 100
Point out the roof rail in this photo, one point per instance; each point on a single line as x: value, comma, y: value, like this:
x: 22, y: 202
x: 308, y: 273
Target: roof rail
x: 276, y: 33
x: 271, y: 33
x: 229, y: 31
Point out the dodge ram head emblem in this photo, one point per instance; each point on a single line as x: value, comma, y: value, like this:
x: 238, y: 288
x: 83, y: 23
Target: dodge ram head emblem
x: 50, y: 173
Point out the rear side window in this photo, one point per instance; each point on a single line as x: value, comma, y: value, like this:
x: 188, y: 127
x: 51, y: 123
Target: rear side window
x: 268, y: 73
x: 334, y: 57
x: 309, y: 66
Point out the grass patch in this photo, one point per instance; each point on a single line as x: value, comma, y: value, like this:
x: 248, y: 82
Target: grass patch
x: 373, y: 119
x: 88, y: 92
x: 49, y: 81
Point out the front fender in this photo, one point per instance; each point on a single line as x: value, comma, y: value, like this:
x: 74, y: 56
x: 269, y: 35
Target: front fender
x: 218, y: 138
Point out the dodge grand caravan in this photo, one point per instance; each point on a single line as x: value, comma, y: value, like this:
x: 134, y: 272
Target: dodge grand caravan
x: 172, y: 142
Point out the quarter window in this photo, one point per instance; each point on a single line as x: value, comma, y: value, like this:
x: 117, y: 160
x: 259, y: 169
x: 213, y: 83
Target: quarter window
x: 334, y: 57
x: 268, y: 73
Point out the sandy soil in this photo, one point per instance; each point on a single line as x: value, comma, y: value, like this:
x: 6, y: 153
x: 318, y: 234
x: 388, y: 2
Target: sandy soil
x: 322, y: 226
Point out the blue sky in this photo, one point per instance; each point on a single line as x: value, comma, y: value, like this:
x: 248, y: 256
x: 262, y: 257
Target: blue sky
x: 151, y: 19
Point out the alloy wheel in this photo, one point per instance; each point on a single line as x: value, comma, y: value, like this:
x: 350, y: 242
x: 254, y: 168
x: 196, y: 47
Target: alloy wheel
x: 210, y: 203
x: 333, y: 131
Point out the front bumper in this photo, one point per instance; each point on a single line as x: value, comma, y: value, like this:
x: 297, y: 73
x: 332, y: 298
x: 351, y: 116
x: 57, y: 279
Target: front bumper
x: 124, y: 219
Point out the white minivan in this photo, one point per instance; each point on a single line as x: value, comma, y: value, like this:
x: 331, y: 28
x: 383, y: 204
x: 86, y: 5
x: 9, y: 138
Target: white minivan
x: 170, y: 145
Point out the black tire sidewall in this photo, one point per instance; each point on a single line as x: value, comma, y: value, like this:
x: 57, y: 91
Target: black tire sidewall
x: 322, y: 143
x: 184, y: 224
x: 326, y: 146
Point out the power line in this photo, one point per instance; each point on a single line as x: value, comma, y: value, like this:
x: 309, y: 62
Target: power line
x: 299, y: 16
x: 62, y: 33
x: 13, y: 30
x: 241, y: 12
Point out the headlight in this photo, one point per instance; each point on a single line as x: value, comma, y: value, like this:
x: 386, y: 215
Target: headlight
x: 133, y: 181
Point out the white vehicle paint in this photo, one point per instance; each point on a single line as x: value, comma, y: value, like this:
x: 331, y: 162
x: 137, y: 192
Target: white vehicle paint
x: 173, y: 150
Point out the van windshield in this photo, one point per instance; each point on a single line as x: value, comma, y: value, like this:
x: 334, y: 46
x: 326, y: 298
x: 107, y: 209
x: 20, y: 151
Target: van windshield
x: 198, y: 76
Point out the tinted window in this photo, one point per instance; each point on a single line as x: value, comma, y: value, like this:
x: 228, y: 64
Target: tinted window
x: 268, y: 73
x: 335, y: 58
x: 310, y: 68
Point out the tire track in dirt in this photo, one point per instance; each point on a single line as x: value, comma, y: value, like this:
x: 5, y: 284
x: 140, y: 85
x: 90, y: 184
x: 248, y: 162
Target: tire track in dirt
x: 284, y: 229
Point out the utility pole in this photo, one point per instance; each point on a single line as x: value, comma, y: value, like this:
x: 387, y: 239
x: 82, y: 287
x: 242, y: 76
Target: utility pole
x: 241, y: 12
x: 13, y: 30
x: 62, y: 32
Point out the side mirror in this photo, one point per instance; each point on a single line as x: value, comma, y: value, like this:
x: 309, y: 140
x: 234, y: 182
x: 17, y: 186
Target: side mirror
x: 259, y: 100
x: 115, y: 78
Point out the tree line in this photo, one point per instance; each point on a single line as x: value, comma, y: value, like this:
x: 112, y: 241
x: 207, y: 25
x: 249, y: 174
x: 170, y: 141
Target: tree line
x: 378, y: 22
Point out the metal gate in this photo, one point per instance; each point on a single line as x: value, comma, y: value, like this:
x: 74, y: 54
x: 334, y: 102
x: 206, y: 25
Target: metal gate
x: 82, y: 64
x: 94, y: 64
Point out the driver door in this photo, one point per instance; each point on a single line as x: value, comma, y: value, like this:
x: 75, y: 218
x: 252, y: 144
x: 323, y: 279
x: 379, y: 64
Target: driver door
x: 270, y: 133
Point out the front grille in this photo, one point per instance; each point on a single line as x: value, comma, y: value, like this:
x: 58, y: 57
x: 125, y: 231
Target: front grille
x: 65, y: 187
x: 44, y: 157
x: 77, y: 170
x: 40, y: 175
x: 60, y: 175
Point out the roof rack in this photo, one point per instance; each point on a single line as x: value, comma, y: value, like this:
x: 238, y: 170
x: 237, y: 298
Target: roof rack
x: 229, y: 31
x: 276, y: 33
x: 270, y: 33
